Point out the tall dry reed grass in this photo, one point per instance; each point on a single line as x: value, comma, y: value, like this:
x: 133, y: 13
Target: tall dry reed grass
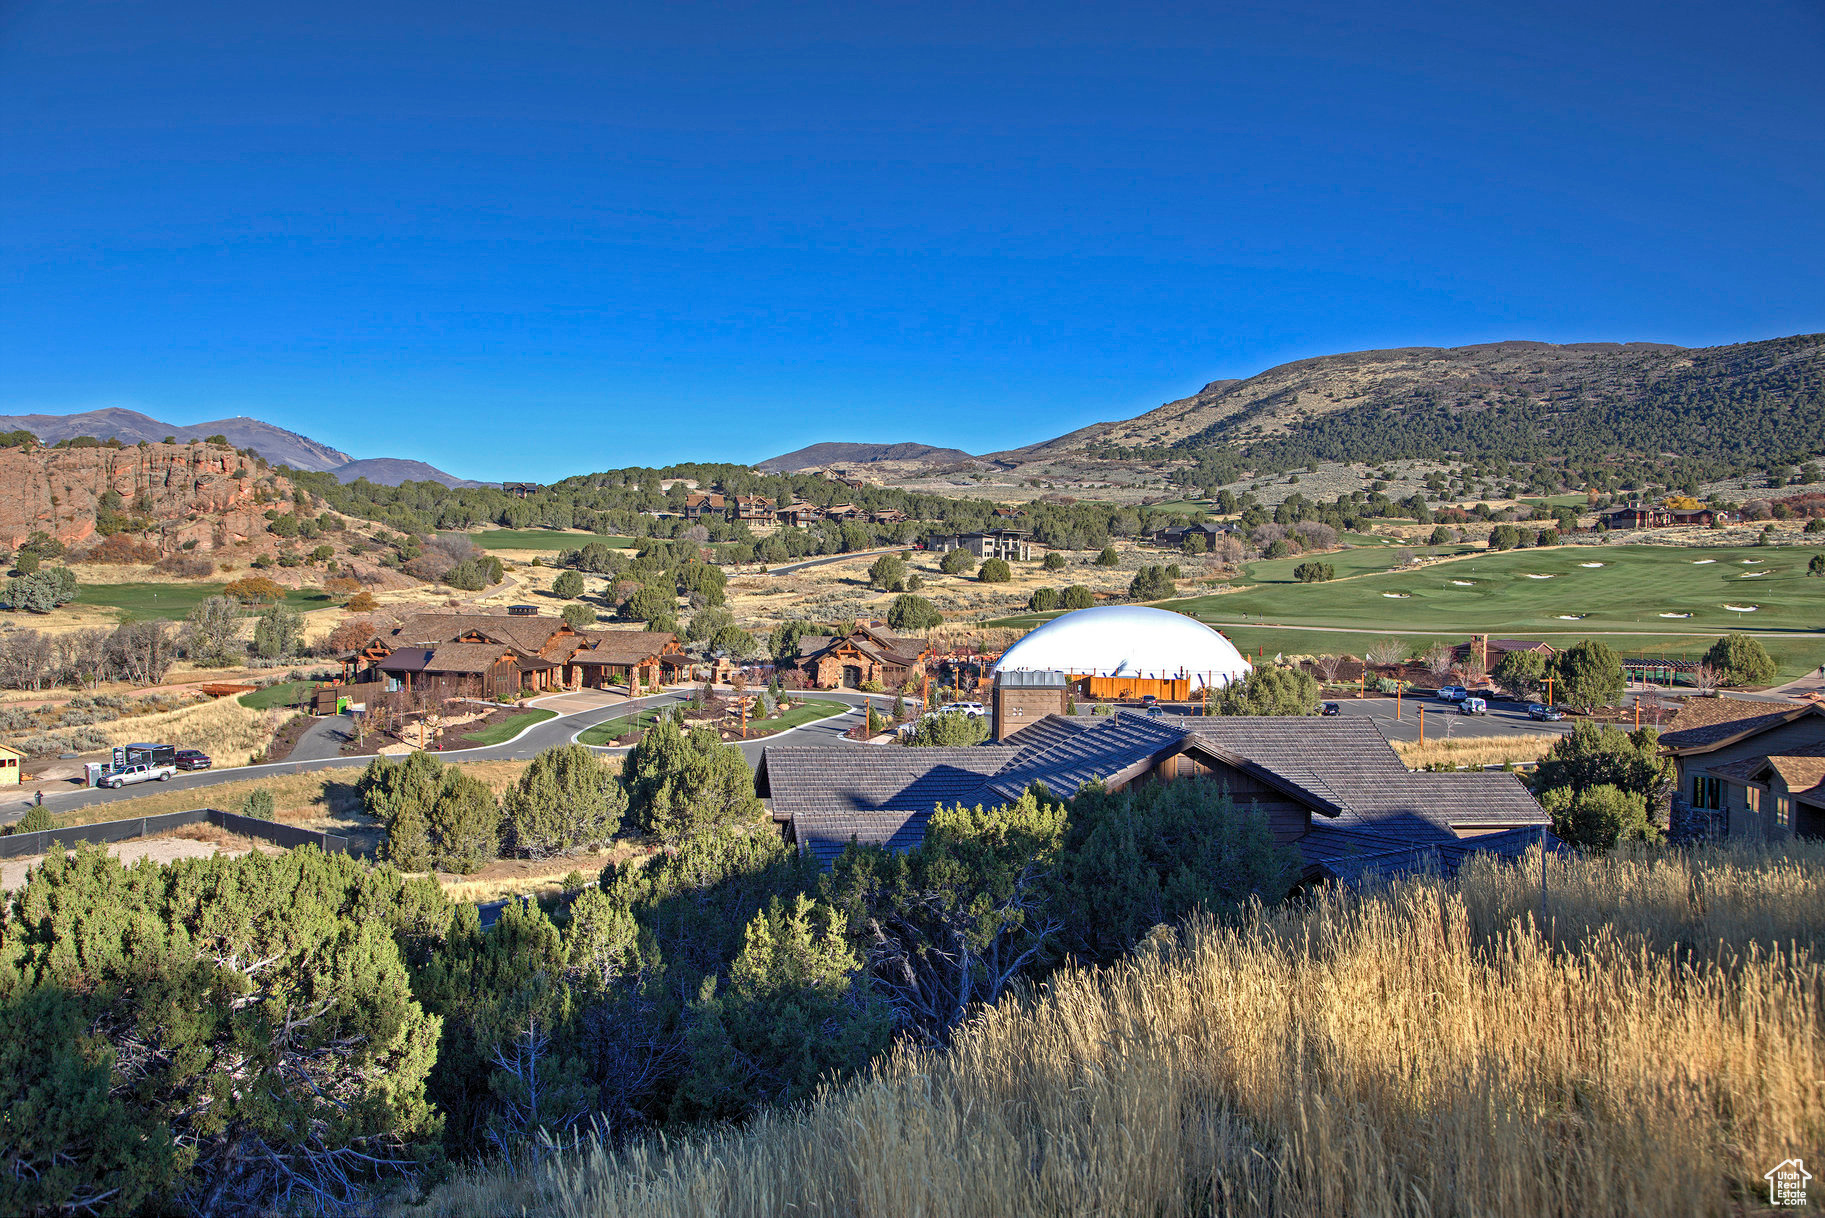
x: 1427, y: 1048
x: 1473, y: 751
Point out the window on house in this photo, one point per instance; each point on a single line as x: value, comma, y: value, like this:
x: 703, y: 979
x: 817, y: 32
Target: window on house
x: 1753, y: 797
x: 1707, y: 792
x: 1783, y: 811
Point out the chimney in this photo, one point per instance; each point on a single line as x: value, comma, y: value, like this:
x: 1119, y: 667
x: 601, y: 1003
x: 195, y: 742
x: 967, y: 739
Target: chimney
x: 1022, y: 697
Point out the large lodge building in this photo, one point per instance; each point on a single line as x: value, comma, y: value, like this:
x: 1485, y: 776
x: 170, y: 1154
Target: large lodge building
x: 486, y: 655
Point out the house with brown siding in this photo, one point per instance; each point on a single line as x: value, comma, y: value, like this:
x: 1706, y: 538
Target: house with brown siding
x: 488, y: 654
x: 753, y: 511
x: 867, y: 655
x: 704, y: 503
x: 1747, y: 769
x: 631, y: 658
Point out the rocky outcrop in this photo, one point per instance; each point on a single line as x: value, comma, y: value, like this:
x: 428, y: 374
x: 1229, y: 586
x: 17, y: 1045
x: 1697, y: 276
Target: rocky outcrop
x: 189, y: 492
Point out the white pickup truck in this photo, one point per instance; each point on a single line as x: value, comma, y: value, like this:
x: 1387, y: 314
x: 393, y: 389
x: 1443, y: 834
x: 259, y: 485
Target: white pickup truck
x: 128, y: 775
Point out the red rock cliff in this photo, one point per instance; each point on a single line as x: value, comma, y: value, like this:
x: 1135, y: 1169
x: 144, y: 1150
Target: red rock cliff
x: 199, y: 492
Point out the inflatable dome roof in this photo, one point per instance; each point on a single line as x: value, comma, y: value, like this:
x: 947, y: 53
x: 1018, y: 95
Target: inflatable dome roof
x: 1128, y: 641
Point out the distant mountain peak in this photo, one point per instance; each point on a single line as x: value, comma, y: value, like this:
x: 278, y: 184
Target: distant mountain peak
x: 276, y: 444
x: 819, y: 456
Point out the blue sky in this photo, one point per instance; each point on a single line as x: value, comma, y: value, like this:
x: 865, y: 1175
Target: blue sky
x: 527, y: 241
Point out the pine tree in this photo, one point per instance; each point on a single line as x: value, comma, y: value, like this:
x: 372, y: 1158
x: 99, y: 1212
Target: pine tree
x: 565, y: 800
x: 796, y: 1012
x: 679, y: 785
x: 465, y: 823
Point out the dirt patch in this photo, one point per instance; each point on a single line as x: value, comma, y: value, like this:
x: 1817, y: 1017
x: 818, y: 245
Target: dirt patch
x: 189, y: 842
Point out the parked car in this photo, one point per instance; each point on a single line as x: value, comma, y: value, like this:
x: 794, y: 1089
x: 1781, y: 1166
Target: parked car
x: 126, y: 776
x: 974, y: 710
x: 1150, y: 700
x: 1544, y: 713
x: 1331, y: 708
x: 1472, y: 706
x: 1157, y: 711
x: 1452, y: 693
x: 191, y: 759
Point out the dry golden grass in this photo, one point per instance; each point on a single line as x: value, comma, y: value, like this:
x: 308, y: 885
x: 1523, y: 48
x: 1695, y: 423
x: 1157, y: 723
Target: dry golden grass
x: 229, y: 732
x: 1418, y: 1050
x: 1473, y: 751
x: 531, y: 877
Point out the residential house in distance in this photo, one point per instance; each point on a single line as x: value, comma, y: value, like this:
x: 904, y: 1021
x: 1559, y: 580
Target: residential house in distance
x: 521, y: 490
x: 699, y: 504
x: 1747, y: 769
x: 756, y: 511
x: 799, y: 515
x: 1487, y: 652
x: 636, y: 659
x: 1659, y: 516
x: 867, y: 655
x: 1332, y: 788
x: 1006, y: 544
x: 485, y: 655
x: 1208, y: 531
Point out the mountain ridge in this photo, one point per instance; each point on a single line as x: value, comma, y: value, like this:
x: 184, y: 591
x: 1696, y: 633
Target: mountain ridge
x: 816, y: 456
x: 277, y: 445
x: 1760, y: 388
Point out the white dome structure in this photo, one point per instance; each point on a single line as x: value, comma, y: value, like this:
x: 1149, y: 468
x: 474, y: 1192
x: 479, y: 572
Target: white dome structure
x: 1129, y: 641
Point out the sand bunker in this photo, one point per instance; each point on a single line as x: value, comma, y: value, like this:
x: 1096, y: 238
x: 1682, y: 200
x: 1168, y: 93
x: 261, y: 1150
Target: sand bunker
x: 1699, y: 562
x: 1752, y: 574
x: 1532, y: 576
x: 1464, y: 583
x: 1675, y: 615
x: 1590, y: 564
x: 1573, y: 617
x: 1742, y: 608
x: 1395, y: 596
x: 1754, y: 562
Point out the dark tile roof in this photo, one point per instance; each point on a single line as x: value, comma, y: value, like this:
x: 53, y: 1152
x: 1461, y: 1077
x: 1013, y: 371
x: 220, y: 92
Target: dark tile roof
x: 466, y: 657
x: 1070, y: 761
x: 624, y: 647
x: 405, y: 659
x: 1325, y: 756
x: 1705, y: 722
x: 528, y: 632
x: 1373, y: 807
x: 875, y: 795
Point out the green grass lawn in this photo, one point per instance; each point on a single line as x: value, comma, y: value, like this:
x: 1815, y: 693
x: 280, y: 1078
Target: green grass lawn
x: 1631, y: 588
x: 544, y: 539
x: 805, y: 712
x: 144, y: 602
x: 509, y: 727
x: 1622, y: 601
x: 611, y: 731
x: 1357, y: 560
x: 285, y: 693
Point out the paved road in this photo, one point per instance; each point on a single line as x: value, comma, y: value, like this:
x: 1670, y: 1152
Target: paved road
x: 792, y: 568
x: 62, y: 797
x: 324, y: 738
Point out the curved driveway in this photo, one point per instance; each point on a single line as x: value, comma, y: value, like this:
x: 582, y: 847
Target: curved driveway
x: 528, y: 744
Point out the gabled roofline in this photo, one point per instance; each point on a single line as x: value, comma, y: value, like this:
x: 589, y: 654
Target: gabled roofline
x: 1711, y: 746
